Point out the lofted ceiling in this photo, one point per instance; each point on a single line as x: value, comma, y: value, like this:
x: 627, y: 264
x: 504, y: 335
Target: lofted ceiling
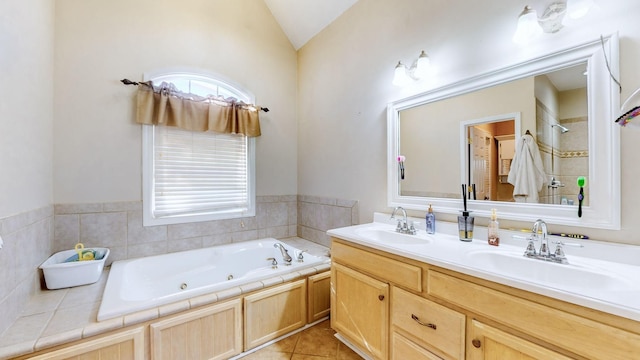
x: 303, y: 19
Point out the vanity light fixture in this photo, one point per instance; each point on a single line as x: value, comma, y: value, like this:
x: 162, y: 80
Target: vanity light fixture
x: 531, y: 26
x: 404, y: 76
x: 528, y: 27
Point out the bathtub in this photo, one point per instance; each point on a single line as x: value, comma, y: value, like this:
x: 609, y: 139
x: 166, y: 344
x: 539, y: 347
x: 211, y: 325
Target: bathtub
x: 143, y: 283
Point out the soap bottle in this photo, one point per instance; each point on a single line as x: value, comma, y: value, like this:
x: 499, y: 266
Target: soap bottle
x: 431, y: 221
x: 493, y: 236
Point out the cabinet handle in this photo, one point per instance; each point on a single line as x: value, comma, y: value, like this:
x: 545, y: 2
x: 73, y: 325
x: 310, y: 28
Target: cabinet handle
x: 429, y: 325
x: 380, y: 297
x: 476, y: 343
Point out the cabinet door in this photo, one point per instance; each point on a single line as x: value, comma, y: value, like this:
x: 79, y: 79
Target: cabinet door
x: 214, y: 332
x: 488, y: 343
x: 360, y: 310
x: 126, y: 345
x: 319, y: 298
x: 274, y: 312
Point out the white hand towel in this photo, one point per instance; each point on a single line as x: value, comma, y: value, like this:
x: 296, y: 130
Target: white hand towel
x: 527, y: 172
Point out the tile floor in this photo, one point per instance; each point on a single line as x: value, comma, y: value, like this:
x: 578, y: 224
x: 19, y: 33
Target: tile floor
x: 314, y: 343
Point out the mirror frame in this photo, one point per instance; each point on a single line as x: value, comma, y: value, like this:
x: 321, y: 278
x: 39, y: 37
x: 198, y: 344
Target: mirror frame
x: 604, y: 139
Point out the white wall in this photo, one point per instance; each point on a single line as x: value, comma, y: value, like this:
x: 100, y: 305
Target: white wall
x: 26, y: 103
x: 345, y: 76
x: 97, y: 152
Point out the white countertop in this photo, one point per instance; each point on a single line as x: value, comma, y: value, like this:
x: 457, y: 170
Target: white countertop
x: 445, y: 250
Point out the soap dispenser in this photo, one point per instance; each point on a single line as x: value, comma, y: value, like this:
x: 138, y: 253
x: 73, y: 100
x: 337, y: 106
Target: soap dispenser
x: 493, y: 236
x: 430, y: 221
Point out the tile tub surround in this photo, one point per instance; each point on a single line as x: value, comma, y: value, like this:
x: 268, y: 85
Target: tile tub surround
x: 54, y: 317
x: 118, y: 226
x: 317, y: 214
x: 27, y: 243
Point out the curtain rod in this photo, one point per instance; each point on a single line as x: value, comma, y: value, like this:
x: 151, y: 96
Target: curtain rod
x: 129, y: 82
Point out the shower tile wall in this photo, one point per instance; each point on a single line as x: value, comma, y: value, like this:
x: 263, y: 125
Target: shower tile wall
x: 570, y: 154
x: 27, y: 243
x: 544, y: 119
x: 574, y: 157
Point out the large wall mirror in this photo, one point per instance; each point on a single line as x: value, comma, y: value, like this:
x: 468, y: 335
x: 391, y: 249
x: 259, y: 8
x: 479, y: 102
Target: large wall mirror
x: 470, y: 133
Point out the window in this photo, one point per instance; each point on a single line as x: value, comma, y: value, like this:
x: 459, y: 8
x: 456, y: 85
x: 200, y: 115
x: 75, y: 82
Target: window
x: 197, y: 176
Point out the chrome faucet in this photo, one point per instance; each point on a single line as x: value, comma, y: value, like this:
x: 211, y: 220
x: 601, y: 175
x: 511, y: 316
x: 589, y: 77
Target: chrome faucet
x: 285, y: 254
x: 539, y: 232
x: 403, y: 226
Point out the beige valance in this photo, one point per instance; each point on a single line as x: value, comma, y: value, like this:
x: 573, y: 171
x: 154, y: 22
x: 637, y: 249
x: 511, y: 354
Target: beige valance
x: 166, y: 105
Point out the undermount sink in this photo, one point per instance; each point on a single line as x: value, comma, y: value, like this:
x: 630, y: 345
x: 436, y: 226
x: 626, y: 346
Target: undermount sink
x: 564, y: 276
x: 392, y: 237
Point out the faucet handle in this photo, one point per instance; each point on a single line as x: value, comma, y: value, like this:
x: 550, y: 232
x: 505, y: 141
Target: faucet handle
x: 531, y: 247
x: 412, y: 228
x: 401, y: 225
x: 562, y: 243
x: 300, y: 256
x: 274, y: 262
x: 544, y: 249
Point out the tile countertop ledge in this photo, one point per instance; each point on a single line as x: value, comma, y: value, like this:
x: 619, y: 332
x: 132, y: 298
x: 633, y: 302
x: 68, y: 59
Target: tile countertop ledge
x: 56, y: 317
x: 447, y: 251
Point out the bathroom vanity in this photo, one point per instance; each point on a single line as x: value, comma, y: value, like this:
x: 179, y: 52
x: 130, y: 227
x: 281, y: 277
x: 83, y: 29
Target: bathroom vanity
x: 398, y: 299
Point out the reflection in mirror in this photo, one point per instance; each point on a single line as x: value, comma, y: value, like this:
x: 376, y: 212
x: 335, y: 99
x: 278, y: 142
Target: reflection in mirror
x: 489, y: 146
x: 551, y: 104
x: 549, y: 95
x: 562, y: 133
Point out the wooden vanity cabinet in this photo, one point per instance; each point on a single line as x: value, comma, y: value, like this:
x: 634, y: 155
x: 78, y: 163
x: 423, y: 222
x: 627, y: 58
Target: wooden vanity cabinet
x: 488, y: 342
x: 360, y: 310
x: 565, y: 327
x: 435, y: 313
x: 364, y: 285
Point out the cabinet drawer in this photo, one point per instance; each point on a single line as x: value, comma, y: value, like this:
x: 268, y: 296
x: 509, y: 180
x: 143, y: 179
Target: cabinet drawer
x: 393, y: 271
x: 403, y: 349
x: 431, y: 325
x: 586, y: 337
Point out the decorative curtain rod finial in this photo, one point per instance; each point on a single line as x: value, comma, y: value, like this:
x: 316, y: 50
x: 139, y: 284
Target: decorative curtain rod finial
x: 128, y: 82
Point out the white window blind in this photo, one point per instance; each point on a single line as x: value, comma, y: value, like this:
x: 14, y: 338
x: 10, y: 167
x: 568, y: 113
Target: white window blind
x: 197, y: 176
x: 199, y: 173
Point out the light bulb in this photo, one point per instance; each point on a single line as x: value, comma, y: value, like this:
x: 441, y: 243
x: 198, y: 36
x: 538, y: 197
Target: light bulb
x: 528, y: 27
x: 422, y: 66
x: 400, y: 77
